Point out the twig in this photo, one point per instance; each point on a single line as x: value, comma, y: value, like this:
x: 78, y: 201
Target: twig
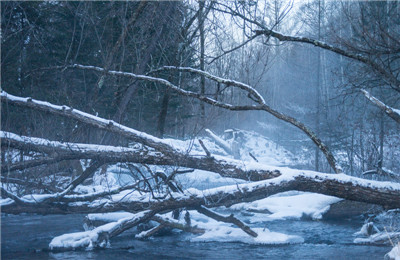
x: 252, y: 156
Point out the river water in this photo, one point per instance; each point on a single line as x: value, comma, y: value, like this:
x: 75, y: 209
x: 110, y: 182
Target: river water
x: 25, y: 237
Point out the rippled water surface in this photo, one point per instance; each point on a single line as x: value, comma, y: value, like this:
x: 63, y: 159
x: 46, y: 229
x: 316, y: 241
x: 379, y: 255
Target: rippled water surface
x: 25, y: 237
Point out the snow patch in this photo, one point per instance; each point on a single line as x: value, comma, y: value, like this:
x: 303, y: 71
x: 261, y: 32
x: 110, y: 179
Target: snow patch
x: 201, y: 180
x: 230, y: 234
x: 292, y: 205
x: 223, y: 232
x: 109, y: 217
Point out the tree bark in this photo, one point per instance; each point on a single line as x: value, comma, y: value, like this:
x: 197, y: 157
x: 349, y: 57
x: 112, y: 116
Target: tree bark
x: 201, y: 19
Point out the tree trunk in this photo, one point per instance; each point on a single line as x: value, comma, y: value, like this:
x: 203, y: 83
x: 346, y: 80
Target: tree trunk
x: 201, y: 19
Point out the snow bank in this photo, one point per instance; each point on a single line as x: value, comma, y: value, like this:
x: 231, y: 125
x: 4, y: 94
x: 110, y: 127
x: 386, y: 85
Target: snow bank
x: 267, y: 151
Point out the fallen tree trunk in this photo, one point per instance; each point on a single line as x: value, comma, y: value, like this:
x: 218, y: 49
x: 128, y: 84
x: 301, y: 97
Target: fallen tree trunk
x: 104, y: 124
x: 386, y: 194
x: 93, y: 221
x: 224, y: 145
x: 224, y: 166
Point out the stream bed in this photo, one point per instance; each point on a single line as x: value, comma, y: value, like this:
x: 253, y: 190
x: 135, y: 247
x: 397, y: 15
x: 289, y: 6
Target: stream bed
x: 28, y: 237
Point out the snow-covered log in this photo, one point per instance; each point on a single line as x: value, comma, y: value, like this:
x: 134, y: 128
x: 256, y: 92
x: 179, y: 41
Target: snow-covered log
x: 224, y: 166
x: 379, y: 238
x: 98, y: 237
x: 89, y: 119
x: 224, y: 145
x: 386, y: 194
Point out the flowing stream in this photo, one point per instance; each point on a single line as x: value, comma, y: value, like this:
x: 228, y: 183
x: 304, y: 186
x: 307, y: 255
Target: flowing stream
x: 28, y: 236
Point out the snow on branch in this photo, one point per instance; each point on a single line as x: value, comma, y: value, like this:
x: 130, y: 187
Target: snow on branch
x: 252, y: 94
x: 390, y: 111
x: 257, y: 96
x: 166, y: 83
x: 108, y: 125
x: 94, y: 220
x: 219, y: 141
x: 83, y: 151
x: 172, y: 223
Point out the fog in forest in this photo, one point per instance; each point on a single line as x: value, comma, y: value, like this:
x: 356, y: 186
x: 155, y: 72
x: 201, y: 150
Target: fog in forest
x: 108, y: 105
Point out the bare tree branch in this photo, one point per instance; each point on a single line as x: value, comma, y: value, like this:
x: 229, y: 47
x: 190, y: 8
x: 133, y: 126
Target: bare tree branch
x: 233, y: 49
x: 386, y: 74
x: 228, y: 219
x: 36, y: 162
x: 391, y: 112
x: 389, y: 77
x: 262, y: 105
x: 86, y: 118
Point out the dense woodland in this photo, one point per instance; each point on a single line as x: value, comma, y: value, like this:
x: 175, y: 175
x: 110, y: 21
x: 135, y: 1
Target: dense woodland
x: 319, y: 78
